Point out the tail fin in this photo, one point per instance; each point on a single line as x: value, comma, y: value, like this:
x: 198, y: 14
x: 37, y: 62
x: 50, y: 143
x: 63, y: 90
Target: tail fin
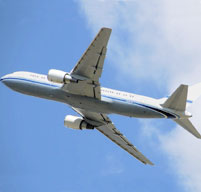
x: 194, y: 92
x: 186, y: 124
x: 177, y: 101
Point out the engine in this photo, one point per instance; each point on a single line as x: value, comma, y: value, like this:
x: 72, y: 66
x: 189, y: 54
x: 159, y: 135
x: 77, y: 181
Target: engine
x: 58, y: 76
x: 75, y: 122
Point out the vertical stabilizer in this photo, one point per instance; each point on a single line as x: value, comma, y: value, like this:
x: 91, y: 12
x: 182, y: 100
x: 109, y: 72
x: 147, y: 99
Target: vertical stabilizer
x: 177, y: 101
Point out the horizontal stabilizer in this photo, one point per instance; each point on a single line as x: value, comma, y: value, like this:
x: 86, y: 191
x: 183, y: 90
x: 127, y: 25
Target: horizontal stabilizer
x: 186, y: 124
x: 177, y: 101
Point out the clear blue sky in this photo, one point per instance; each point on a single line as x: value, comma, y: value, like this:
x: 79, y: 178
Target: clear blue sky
x: 37, y: 152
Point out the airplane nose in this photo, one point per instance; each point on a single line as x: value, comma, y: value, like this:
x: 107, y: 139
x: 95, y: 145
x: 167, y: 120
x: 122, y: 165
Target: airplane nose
x: 12, y: 82
x: 4, y: 79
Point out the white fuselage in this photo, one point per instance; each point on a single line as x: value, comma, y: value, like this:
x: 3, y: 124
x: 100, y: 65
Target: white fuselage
x: 112, y: 101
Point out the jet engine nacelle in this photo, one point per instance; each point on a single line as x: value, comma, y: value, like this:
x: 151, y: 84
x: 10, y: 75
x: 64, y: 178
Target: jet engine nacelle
x: 75, y: 122
x: 58, y: 76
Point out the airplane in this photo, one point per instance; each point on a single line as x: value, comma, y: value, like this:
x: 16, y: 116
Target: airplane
x: 81, y: 90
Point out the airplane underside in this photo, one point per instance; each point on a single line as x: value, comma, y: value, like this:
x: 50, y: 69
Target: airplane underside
x: 105, y: 105
x: 81, y: 90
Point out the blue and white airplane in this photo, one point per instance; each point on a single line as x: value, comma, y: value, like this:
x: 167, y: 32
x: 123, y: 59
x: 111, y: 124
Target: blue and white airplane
x: 81, y: 90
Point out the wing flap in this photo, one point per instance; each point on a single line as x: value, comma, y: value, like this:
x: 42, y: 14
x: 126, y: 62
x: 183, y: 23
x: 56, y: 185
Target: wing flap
x: 99, y: 65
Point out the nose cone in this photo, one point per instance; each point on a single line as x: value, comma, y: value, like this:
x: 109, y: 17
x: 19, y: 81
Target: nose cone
x: 5, y: 79
x: 13, y: 82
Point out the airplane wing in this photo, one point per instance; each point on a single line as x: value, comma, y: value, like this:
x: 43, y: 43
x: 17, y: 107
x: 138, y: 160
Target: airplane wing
x: 90, y: 64
x: 89, y: 67
x: 103, y: 124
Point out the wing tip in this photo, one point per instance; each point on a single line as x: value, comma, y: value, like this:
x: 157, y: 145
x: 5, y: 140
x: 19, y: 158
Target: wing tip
x: 106, y: 28
x: 198, y: 136
x: 148, y: 162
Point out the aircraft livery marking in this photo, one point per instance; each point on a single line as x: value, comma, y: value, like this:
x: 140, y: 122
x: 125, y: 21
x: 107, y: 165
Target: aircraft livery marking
x: 166, y: 114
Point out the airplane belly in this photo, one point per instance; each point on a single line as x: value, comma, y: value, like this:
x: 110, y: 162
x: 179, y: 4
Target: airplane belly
x: 132, y: 109
x: 137, y: 111
x: 88, y: 103
x: 108, y: 106
x: 105, y: 105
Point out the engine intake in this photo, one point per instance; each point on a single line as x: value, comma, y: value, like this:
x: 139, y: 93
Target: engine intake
x: 58, y: 76
x: 75, y: 122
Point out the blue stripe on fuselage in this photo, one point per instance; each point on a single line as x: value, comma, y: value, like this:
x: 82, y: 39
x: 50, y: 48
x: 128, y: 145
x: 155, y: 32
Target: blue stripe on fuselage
x: 32, y: 81
x: 166, y: 114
